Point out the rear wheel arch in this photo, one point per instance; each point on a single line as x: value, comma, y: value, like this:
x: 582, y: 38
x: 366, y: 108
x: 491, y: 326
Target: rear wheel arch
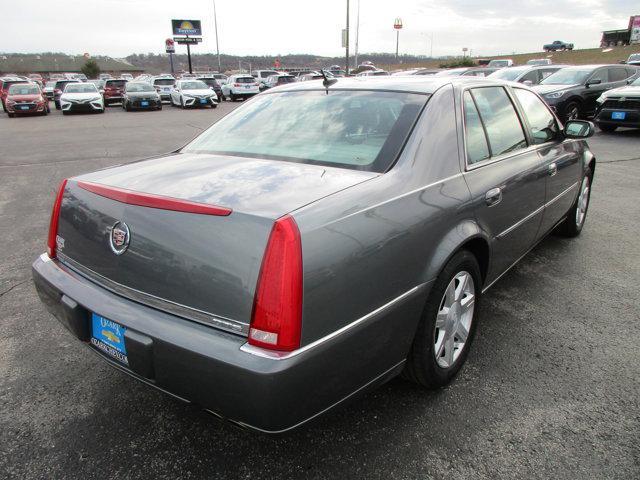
x: 465, y: 236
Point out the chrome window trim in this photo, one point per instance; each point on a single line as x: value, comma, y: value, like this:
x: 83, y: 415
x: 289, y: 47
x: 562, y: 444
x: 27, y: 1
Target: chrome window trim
x: 276, y: 355
x: 504, y: 233
x: 498, y: 158
x: 173, y: 308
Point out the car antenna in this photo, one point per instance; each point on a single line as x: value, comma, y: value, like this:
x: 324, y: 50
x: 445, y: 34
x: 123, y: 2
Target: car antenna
x: 327, y: 82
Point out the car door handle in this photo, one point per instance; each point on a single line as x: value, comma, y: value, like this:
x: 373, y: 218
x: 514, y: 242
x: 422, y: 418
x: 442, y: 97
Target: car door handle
x: 552, y: 169
x: 493, y: 196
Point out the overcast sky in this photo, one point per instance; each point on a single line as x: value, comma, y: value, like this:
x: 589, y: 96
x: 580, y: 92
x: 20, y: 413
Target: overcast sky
x: 260, y: 27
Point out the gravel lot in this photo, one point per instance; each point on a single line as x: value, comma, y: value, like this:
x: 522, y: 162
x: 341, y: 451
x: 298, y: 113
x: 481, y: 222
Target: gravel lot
x: 551, y: 388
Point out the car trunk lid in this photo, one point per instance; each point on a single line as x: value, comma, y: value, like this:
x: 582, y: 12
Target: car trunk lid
x: 202, y: 266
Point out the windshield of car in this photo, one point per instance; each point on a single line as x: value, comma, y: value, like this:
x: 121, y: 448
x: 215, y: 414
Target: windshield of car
x: 360, y: 130
x: 509, y: 73
x: 139, y: 87
x: 164, y: 81
x: 634, y: 57
x: 244, y: 80
x: 498, y: 63
x: 567, y: 76
x: 23, y: 89
x: 50, y: 84
x: 193, y: 85
x: 115, y: 83
x: 80, y: 88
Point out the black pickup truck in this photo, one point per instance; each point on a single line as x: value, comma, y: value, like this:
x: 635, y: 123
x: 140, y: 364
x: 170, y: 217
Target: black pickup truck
x: 557, y: 45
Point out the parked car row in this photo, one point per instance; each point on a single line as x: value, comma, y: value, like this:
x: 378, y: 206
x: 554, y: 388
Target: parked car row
x: 609, y: 94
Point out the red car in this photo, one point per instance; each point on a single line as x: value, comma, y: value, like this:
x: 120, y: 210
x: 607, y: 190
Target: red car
x: 26, y: 98
x: 5, y: 83
x: 114, y: 91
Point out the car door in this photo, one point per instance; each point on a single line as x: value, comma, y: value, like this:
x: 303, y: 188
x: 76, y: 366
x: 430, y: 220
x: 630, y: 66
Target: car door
x: 503, y: 173
x: 593, y: 90
x: 560, y: 159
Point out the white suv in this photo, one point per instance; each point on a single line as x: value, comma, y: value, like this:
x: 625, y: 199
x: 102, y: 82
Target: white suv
x: 163, y: 86
x: 240, y: 86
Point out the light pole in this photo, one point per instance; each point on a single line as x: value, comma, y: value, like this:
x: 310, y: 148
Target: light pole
x: 215, y: 22
x: 357, y: 34
x: 347, y: 41
x: 397, y: 24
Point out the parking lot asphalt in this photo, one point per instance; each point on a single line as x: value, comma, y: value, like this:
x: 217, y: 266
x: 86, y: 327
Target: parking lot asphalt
x: 551, y: 388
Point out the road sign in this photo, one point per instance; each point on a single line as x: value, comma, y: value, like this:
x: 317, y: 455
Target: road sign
x: 169, y: 46
x: 187, y: 40
x: 397, y: 24
x: 186, y: 27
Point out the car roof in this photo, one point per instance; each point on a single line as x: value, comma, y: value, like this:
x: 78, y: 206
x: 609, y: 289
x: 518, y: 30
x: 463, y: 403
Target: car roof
x: 410, y: 83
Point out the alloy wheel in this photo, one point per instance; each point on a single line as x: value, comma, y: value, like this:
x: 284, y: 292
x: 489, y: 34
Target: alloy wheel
x: 453, y: 322
x: 583, y: 201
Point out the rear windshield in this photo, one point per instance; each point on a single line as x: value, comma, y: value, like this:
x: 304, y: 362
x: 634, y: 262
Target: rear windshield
x: 509, y: 73
x: 283, y: 80
x: 193, y: 85
x: 80, y: 88
x: 267, y: 73
x: 51, y: 84
x: 23, y: 89
x: 360, y: 130
x: 139, y: 87
x: 245, y: 80
x: 164, y: 81
x: 61, y: 83
x: 115, y: 83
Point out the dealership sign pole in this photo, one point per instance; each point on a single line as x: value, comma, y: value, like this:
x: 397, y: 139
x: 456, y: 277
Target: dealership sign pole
x: 192, y: 31
x: 398, y: 26
x: 170, y: 48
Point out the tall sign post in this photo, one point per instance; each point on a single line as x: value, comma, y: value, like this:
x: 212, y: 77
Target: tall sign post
x: 346, y: 41
x: 170, y: 48
x: 191, y: 34
x: 397, y: 24
x: 215, y: 22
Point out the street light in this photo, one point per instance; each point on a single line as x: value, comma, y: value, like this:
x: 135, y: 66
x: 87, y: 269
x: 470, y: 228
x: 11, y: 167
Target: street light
x: 215, y: 22
x: 397, y: 24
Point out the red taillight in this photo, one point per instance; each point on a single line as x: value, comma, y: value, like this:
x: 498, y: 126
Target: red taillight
x: 53, y: 223
x: 277, y: 308
x: 237, y: 84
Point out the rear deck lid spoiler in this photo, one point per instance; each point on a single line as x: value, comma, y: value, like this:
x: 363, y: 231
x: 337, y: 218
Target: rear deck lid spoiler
x: 151, y: 200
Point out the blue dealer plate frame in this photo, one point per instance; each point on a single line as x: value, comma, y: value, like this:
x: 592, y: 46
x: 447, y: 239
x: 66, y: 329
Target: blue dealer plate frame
x: 618, y: 115
x: 108, y: 337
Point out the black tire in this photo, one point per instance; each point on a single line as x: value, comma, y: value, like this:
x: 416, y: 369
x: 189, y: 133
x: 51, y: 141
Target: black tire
x: 571, y: 227
x: 232, y: 97
x: 11, y: 115
x: 421, y: 366
x: 126, y: 106
x: 160, y: 106
x: 4, y: 107
x: 572, y: 111
x: 607, y: 128
x: 214, y: 105
x: 106, y: 104
x: 57, y: 105
x: 182, y: 103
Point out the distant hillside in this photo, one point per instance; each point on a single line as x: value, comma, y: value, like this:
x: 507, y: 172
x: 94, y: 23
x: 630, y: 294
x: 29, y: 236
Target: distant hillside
x: 574, y: 57
x: 156, y: 63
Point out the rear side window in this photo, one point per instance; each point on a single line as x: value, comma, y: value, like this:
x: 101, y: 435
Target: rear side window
x: 477, y: 148
x: 542, y: 124
x: 532, y: 76
x: 500, y: 120
x: 617, y: 74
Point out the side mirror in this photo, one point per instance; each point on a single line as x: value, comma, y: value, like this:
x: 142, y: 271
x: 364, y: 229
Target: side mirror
x: 579, y: 129
x: 596, y: 81
x: 528, y: 83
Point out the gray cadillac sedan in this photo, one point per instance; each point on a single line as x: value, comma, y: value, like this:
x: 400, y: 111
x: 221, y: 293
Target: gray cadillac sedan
x: 315, y: 242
